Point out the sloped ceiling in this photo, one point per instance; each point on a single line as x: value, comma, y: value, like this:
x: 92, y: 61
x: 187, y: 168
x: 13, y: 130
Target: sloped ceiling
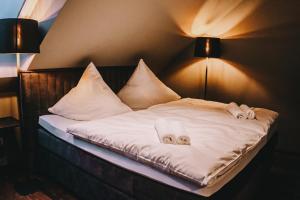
x: 117, y: 33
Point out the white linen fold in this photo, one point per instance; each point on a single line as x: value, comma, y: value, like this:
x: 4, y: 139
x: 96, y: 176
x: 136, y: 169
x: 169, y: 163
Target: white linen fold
x: 250, y: 114
x: 218, y: 140
x: 236, y: 111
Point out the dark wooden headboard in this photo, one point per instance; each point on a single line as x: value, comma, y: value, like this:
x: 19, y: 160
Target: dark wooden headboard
x: 40, y: 89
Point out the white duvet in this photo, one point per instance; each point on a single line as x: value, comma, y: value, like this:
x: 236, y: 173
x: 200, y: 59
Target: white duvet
x: 218, y: 140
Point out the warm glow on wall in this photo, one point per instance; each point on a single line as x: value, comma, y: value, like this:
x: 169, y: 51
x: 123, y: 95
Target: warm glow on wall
x: 5, y: 108
x: 226, y: 78
x: 215, y: 17
x: 9, y: 107
x: 188, y: 79
x: 28, y: 9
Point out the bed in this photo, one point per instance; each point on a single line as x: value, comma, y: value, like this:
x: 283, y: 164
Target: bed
x: 92, y: 172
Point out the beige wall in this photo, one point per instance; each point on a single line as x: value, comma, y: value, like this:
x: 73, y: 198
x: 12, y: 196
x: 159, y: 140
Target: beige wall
x: 117, y: 32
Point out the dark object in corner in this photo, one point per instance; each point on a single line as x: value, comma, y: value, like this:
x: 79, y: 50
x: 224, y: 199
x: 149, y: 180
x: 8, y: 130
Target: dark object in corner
x: 8, y: 86
x: 28, y: 186
x: 8, y: 141
x: 8, y: 122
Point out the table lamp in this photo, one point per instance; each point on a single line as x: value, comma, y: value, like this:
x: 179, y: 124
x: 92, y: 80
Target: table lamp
x: 19, y: 36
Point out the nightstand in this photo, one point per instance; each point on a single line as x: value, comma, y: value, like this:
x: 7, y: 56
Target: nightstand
x: 8, y: 142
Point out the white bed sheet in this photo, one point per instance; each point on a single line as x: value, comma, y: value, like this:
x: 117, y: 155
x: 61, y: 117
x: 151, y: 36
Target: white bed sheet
x: 57, y: 126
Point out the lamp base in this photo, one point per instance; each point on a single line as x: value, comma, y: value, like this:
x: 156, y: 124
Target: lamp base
x: 205, y: 83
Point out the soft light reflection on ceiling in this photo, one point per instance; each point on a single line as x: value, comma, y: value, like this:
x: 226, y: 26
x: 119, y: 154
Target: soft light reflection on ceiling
x: 25, y: 65
x: 41, y: 10
x: 28, y: 9
x: 216, y: 17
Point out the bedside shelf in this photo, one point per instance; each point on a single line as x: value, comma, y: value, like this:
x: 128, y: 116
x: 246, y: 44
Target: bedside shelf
x: 8, y: 122
x: 8, y: 142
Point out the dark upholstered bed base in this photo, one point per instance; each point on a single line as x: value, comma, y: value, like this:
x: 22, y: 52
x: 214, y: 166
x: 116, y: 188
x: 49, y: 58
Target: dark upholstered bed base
x: 90, y: 177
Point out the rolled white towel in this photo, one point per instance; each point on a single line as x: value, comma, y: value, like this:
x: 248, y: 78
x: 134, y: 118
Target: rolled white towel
x: 183, y: 140
x: 182, y: 137
x: 165, y: 135
x: 171, y: 132
x: 249, y: 111
x: 168, y: 139
x: 236, y: 111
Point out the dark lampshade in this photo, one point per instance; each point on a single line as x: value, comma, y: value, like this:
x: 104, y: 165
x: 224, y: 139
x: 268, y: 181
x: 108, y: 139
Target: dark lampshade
x: 207, y: 47
x: 19, y: 36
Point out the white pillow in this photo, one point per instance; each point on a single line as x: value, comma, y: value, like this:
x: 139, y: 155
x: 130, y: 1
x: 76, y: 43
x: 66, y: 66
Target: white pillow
x: 90, y: 99
x: 144, y: 89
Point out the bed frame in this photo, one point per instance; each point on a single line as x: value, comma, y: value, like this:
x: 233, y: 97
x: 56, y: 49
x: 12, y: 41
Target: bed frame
x: 89, y: 177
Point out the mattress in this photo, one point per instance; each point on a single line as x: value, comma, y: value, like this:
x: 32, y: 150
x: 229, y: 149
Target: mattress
x: 57, y: 126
